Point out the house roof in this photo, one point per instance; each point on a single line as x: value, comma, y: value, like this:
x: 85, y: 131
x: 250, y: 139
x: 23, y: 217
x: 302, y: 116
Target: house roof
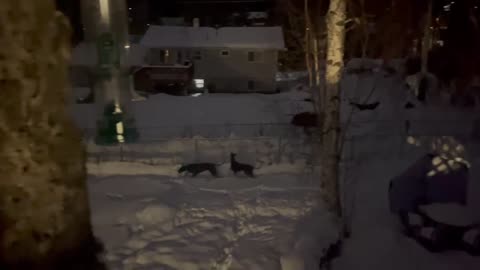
x: 85, y: 54
x: 207, y: 37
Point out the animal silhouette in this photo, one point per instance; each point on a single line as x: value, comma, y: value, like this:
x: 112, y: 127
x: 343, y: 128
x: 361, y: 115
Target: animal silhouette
x: 236, y: 166
x: 196, y: 168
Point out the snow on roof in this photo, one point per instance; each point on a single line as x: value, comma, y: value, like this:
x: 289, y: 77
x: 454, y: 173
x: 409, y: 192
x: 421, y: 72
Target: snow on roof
x: 85, y: 54
x: 257, y: 15
x: 207, y: 37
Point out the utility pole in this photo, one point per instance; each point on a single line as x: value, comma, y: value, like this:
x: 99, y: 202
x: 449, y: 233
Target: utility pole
x: 106, y: 27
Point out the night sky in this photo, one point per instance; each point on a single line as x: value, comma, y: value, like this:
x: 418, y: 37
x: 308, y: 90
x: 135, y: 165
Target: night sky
x: 210, y: 12
x: 211, y: 9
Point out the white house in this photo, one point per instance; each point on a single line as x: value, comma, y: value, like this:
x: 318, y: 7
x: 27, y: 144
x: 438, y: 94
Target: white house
x: 227, y: 59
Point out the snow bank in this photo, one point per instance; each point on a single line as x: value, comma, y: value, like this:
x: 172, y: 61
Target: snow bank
x: 315, y: 232
x: 212, y: 115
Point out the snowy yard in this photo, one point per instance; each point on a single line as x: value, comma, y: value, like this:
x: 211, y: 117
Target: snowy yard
x: 151, y: 218
x: 201, y: 223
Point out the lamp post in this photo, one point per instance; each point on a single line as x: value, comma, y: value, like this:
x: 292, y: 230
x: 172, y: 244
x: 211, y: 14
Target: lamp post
x: 105, y: 25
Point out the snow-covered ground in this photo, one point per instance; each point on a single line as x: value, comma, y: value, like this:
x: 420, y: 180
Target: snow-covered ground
x: 150, y: 222
x: 151, y: 218
x: 216, y: 115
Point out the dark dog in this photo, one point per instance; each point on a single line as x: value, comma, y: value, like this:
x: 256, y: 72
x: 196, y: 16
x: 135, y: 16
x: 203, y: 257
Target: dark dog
x: 240, y: 167
x: 196, y: 168
x: 365, y: 107
x: 305, y: 119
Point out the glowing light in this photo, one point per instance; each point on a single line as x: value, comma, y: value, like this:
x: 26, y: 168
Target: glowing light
x: 437, y: 161
x: 199, y: 83
x: 105, y: 10
x: 410, y: 140
x: 127, y: 46
x: 442, y: 168
x: 117, y: 109
x: 445, y: 147
x: 119, y: 128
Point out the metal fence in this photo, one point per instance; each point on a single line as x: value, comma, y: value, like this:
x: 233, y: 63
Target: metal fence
x: 274, y: 143
x: 255, y: 150
x: 160, y: 133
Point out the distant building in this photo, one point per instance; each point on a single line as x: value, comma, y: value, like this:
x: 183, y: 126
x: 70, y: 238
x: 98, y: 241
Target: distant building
x: 257, y: 18
x: 163, y: 78
x: 227, y: 59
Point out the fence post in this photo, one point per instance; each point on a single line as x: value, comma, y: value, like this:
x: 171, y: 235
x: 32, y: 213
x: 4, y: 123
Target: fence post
x: 98, y: 157
x: 152, y: 162
x: 196, y: 149
x: 279, y: 153
x: 121, y: 153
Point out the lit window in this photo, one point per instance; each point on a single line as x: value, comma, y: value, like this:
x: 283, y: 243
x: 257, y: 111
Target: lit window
x: 163, y: 56
x: 179, y: 57
x: 199, y: 83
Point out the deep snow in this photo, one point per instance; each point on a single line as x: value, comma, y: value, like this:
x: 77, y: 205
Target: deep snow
x: 202, y: 223
x: 150, y: 218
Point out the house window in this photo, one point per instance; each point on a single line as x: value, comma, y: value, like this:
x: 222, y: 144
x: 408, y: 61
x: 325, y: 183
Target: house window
x: 197, y: 55
x: 251, y: 56
x: 179, y: 57
x: 254, y: 56
x: 225, y: 53
x: 251, y: 85
x: 163, y: 56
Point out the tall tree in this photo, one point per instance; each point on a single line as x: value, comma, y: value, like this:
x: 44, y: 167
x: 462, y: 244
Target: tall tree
x: 308, y: 44
x: 335, y: 24
x: 44, y: 212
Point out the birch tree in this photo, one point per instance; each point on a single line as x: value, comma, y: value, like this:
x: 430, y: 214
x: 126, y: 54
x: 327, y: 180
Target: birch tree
x: 335, y: 24
x: 44, y: 212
